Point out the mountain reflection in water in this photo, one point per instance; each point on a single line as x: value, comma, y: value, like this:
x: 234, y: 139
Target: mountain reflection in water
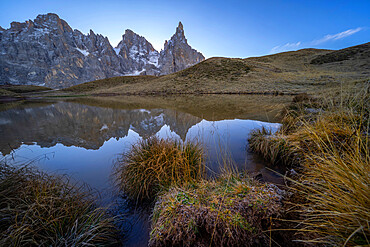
x: 84, y: 141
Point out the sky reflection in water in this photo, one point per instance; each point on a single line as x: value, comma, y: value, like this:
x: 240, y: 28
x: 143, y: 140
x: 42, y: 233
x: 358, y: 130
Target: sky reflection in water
x: 85, y: 141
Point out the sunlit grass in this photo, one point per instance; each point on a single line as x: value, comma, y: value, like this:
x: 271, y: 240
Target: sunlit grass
x: 155, y: 164
x: 37, y: 209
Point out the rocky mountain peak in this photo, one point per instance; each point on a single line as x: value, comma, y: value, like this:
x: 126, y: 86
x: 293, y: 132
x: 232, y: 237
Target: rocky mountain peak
x: 177, y: 53
x: 132, y: 39
x: 47, y: 51
x: 138, y: 54
x: 135, y: 41
x: 180, y: 26
x: 129, y: 33
x: 17, y: 26
x: 47, y: 18
x: 179, y: 36
x: 52, y: 21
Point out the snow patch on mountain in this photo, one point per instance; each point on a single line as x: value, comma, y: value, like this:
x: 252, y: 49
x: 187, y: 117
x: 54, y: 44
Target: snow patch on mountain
x: 136, y: 72
x: 117, y: 50
x: 84, y: 52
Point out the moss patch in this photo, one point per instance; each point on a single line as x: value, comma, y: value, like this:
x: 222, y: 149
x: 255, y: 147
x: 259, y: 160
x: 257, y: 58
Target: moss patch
x: 229, y: 211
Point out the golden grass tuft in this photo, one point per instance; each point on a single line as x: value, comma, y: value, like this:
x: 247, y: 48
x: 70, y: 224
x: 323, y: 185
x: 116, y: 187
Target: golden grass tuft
x: 155, y: 164
x: 333, y: 188
x: 336, y: 180
x: 275, y: 148
x: 37, y: 209
x: 229, y: 211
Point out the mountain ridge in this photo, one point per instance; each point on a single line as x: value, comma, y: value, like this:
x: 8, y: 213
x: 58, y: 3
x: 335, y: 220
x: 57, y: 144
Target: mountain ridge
x: 290, y: 72
x: 48, y: 52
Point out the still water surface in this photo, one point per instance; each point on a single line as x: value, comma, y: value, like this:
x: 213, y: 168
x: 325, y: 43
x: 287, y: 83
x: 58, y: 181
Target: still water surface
x: 84, y: 138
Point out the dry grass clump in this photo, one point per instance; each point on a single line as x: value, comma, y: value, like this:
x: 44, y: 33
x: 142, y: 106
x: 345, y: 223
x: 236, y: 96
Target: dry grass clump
x: 334, y: 185
x: 229, y: 211
x: 275, y: 148
x: 155, y: 164
x: 37, y: 209
x: 290, y: 143
x: 336, y: 180
x: 282, y: 148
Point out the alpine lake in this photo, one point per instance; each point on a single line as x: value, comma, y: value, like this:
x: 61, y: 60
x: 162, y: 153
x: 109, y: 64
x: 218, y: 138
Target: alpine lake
x: 84, y: 137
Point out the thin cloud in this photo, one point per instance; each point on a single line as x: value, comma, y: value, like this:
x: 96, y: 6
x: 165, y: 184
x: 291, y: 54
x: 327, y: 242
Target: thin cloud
x: 337, y: 36
x: 286, y: 47
x: 326, y: 38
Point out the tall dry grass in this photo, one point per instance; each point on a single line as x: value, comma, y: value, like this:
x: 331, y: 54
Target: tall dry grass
x: 336, y: 179
x: 37, y: 209
x: 331, y: 137
x: 280, y: 148
x: 155, y: 164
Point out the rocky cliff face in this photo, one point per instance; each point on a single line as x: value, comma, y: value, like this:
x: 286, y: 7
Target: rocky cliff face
x: 138, y: 54
x: 178, y: 54
x: 48, y: 52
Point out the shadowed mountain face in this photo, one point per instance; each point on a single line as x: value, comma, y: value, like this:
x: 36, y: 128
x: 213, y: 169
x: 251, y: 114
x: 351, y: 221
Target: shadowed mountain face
x: 74, y: 124
x: 47, y: 51
x: 355, y: 59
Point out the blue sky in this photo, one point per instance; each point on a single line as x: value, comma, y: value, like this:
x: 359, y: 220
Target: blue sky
x: 216, y: 28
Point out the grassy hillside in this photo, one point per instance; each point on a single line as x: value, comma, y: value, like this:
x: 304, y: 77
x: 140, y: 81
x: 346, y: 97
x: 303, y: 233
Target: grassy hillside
x: 14, y: 90
x: 306, y: 70
x: 360, y: 52
x: 109, y: 83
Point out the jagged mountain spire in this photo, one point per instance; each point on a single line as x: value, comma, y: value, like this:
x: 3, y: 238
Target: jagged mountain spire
x: 180, y: 34
x: 177, y: 54
x: 144, y: 59
x: 180, y: 26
